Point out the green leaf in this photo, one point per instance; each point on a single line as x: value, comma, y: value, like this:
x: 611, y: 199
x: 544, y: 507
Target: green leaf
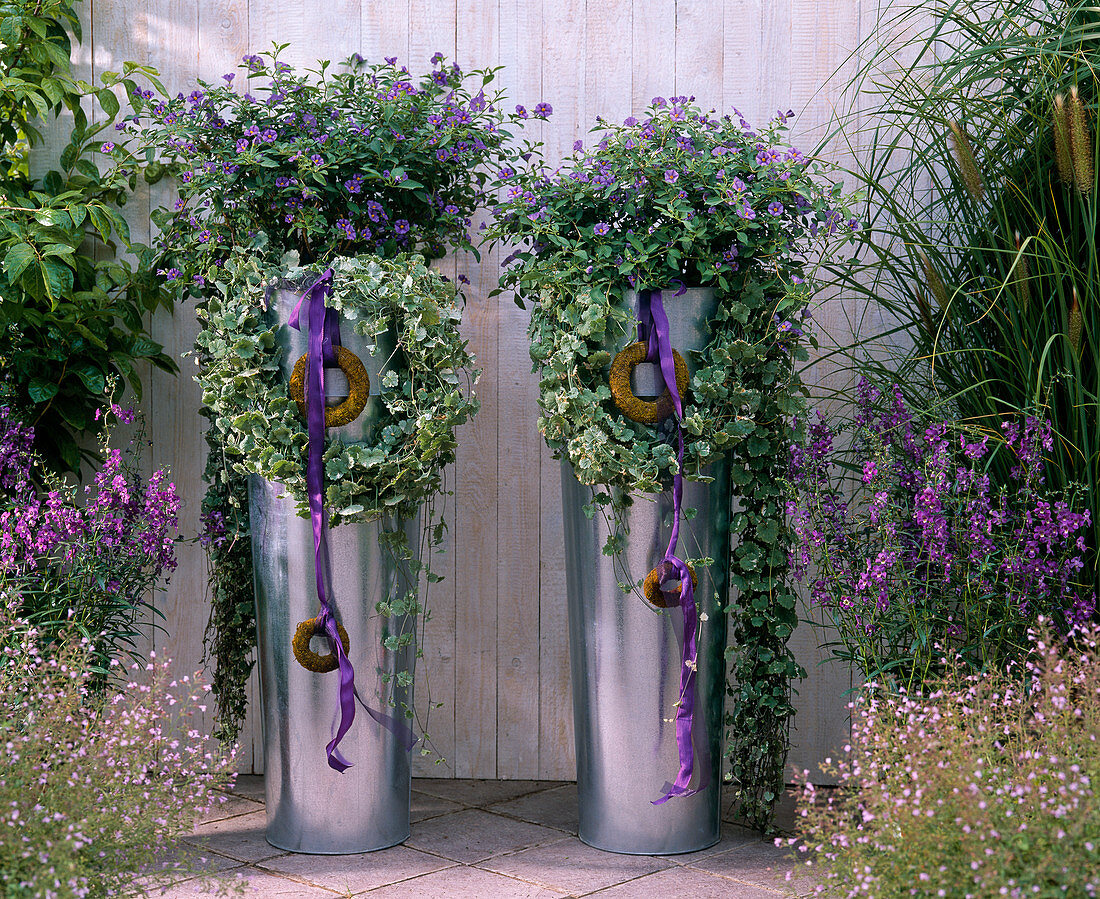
x: 17, y: 259
x: 58, y: 278
x: 108, y: 101
x: 92, y: 378
x: 41, y: 390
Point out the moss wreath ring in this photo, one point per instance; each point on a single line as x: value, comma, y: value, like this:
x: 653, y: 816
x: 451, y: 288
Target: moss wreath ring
x: 647, y: 412
x: 664, y: 599
x: 358, y: 388
x: 311, y: 660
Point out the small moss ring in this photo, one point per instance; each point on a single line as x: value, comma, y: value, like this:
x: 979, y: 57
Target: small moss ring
x: 306, y: 657
x: 358, y: 388
x: 665, y: 599
x: 647, y: 412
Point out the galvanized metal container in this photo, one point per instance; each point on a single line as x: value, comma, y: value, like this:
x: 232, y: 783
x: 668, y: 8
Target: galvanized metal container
x: 310, y: 807
x: 626, y: 655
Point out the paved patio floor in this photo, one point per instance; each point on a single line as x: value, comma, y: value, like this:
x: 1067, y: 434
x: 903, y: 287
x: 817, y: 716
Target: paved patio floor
x: 498, y: 839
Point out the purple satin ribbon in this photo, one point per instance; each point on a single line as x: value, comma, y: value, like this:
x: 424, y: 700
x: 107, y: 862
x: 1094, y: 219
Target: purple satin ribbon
x: 653, y: 328
x: 324, y: 337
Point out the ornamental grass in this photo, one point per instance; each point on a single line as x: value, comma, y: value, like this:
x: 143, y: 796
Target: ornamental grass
x: 977, y: 125
x: 985, y: 786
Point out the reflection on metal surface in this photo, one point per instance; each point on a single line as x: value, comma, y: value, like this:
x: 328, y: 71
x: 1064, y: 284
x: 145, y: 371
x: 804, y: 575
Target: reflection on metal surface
x: 310, y: 807
x: 688, y: 315
x: 625, y: 655
x: 625, y: 663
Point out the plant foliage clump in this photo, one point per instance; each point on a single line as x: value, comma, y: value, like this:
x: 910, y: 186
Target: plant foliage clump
x: 71, y: 312
x: 980, y: 178
x: 684, y: 199
x: 930, y: 557
x: 83, y: 562
x: 96, y: 788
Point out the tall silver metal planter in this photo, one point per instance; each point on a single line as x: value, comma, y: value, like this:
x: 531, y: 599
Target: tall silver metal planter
x: 310, y: 807
x: 626, y: 655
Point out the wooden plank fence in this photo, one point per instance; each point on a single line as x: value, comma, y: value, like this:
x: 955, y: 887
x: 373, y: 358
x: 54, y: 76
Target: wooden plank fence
x: 497, y: 652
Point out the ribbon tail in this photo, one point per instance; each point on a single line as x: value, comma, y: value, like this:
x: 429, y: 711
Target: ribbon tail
x: 392, y: 723
x: 660, y: 350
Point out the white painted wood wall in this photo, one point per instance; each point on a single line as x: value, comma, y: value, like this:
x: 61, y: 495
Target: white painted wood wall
x: 497, y: 652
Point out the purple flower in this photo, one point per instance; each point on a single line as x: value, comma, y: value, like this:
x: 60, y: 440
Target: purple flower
x: 451, y: 209
x: 630, y: 121
x: 672, y: 176
x: 601, y: 228
x: 401, y: 226
x: 775, y: 207
x: 544, y: 110
x: 578, y: 145
x: 107, y: 147
x: 316, y: 159
x: 254, y: 63
x: 659, y: 102
x: 521, y: 112
x: 170, y: 274
x: 228, y: 78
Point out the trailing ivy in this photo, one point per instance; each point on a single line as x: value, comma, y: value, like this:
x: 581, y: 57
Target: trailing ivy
x: 231, y: 628
x: 764, y: 613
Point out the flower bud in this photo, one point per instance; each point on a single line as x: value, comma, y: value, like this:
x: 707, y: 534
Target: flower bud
x: 1080, y: 142
x: 1063, y: 157
x: 964, y: 157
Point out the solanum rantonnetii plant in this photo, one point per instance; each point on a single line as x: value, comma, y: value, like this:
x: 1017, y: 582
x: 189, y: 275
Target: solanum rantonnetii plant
x: 678, y: 197
x: 685, y: 198
x: 72, y: 313
x: 324, y: 163
x: 366, y: 159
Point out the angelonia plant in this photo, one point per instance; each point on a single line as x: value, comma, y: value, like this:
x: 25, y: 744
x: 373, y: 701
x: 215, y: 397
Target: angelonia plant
x: 367, y: 159
x: 931, y: 559
x: 985, y: 787
x: 686, y: 198
x: 85, y: 560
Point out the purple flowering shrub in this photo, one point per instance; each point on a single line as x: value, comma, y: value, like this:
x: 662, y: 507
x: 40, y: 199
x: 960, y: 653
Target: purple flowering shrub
x: 680, y: 195
x: 368, y: 159
x: 84, y: 560
x: 95, y: 788
x: 930, y: 559
x: 986, y: 787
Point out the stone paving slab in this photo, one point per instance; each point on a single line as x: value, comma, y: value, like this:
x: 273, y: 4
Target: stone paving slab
x: 357, y: 873
x: 556, y: 807
x: 499, y: 839
x: 473, y: 835
x: 571, y: 866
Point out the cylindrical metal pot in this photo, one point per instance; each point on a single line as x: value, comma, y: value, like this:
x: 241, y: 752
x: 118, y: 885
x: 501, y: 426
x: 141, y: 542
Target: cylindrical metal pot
x: 626, y: 655
x: 310, y: 807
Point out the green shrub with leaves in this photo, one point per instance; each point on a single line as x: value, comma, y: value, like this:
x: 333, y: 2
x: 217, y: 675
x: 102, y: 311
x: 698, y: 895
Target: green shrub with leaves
x: 980, y: 173
x: 71, y: 310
